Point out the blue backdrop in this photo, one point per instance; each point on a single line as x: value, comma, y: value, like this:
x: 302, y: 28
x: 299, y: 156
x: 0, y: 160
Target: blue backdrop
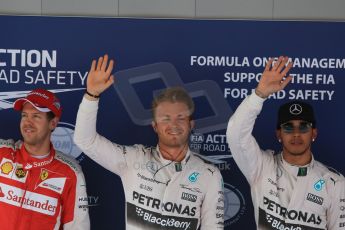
x: 218, y: 61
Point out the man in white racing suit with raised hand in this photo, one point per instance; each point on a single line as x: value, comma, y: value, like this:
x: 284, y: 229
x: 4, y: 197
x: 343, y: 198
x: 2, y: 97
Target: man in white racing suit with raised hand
x: 172, y: 188
x: 290, y: 190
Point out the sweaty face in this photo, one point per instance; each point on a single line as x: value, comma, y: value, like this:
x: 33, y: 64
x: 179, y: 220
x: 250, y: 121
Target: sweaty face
x: 35, y: 126
x: 296, y: 137
x: 172, y: 124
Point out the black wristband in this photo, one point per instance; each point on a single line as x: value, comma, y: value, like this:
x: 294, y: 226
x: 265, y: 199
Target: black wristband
x: 260, y: 94
x: 91, y: 95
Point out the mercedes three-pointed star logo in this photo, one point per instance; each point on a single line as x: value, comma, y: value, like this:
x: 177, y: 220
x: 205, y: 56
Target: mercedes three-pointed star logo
x: 295, y: 109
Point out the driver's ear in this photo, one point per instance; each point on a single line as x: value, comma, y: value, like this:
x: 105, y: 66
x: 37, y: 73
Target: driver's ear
x: 154, y: 126
x: 191, y: 124
x: 314, y: 134
x: 278, y: 135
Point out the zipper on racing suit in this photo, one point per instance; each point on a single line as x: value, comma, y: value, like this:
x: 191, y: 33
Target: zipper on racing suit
x: 20, y: 214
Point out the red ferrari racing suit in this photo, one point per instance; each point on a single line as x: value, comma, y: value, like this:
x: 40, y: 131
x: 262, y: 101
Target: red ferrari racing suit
x: 40, y: 194
x: 285, y: 196
x: 160, y: 194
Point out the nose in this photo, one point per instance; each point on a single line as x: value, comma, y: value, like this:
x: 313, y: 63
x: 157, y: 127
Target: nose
x: 174, y: 122
x: 26, y: 120
x: 296, y: 132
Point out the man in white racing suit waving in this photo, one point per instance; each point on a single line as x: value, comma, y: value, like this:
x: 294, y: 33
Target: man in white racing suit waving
x: 290, y: 190
x: 173, y: 188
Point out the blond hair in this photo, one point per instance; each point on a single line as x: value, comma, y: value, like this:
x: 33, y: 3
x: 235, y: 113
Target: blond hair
x: 173, y: 94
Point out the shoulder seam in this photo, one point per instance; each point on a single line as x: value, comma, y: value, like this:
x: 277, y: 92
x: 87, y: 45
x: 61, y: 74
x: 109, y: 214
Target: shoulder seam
x: 70, y: 162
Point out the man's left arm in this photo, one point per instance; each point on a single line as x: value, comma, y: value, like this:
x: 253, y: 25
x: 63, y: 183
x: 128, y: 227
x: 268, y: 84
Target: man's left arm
x: 212, y: 210
x: 336, y: 214
x: 75, y: 213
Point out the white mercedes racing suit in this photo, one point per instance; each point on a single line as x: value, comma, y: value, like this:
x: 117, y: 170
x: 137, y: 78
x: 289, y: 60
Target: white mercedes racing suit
x: 285, y: 197
x: 159, y: 194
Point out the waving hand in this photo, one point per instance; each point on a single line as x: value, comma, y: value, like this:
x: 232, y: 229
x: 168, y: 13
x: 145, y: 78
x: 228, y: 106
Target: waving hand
x: 100, y: 77
x: 274, y: 78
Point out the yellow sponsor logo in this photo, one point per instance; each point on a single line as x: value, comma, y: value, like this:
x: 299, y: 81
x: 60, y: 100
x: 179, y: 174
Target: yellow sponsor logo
x: 6, y: 167
x: 44, y: 174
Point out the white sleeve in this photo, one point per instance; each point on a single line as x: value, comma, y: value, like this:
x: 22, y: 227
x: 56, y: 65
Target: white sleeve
x: 212, y: 210
x: 336, y: 214
x: 106, y: 153
x: 76, y: 208
x: 243, y: 146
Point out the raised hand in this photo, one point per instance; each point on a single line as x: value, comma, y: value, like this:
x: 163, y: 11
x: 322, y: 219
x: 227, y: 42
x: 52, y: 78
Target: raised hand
x: 274, y: 78
x: 100, y: 78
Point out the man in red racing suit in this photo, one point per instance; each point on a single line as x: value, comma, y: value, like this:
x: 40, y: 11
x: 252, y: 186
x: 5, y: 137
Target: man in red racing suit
x: 40, y: 188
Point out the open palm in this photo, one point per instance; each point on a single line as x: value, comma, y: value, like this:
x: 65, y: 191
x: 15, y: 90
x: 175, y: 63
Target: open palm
x: 274, y: 77
x: 100, y: 77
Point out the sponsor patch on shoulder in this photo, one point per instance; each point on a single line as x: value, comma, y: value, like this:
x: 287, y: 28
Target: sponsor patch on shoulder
x: 7, y: 143
x: 68, y: 161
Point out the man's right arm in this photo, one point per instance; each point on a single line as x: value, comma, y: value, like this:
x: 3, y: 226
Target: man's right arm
x: 243, y: 146
x: 336, y: 212
x: 97, y: 147
x: 109, y: 155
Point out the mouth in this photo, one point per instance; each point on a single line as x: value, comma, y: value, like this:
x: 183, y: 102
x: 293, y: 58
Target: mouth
x: 28, y: 130
x: 174, y: 132
x: 297, y: 142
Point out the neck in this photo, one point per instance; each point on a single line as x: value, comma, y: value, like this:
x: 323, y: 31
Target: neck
x: 37, y: 150
x: 173, y: 153
x: 299, y: 160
